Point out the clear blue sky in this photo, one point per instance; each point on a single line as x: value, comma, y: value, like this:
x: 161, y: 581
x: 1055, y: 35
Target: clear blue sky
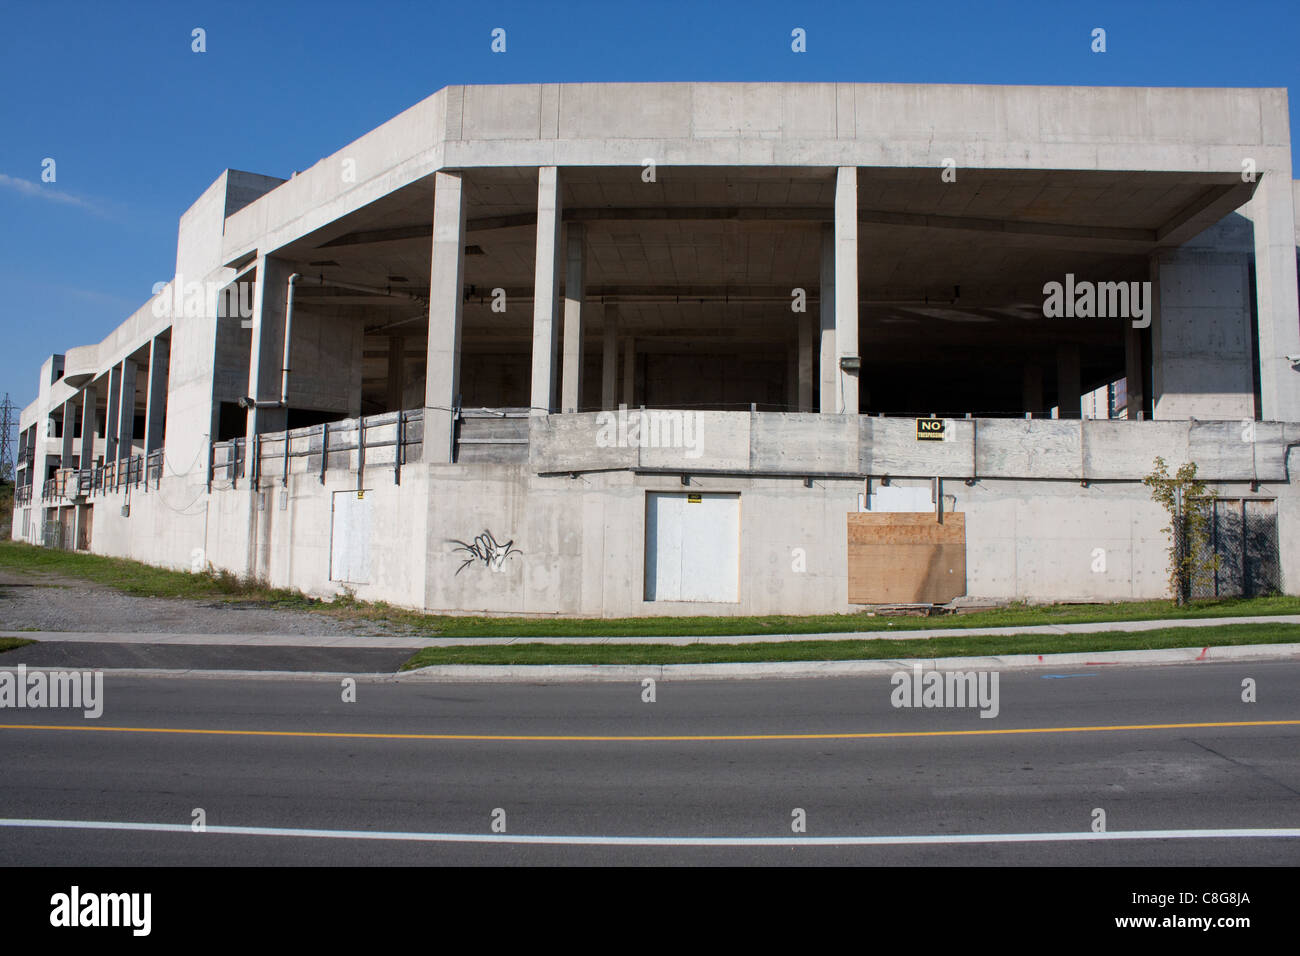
x: 139, y: 125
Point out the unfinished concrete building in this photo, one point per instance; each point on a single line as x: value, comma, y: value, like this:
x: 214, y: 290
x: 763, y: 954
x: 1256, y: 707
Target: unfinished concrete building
x: 630, y: 349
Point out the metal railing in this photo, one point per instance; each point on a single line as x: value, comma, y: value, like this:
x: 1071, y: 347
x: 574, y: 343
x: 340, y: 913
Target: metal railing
x: 349, y: 445
x: 23, y: 495
x: 133, y: 472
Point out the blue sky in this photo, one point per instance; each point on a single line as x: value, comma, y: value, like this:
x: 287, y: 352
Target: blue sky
x: 139, y: 125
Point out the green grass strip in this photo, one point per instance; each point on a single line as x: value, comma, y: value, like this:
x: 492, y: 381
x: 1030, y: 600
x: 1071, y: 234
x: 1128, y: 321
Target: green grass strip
x: 852, y: 650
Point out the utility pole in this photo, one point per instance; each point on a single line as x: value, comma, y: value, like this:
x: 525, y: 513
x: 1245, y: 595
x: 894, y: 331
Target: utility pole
x: 8, y: 421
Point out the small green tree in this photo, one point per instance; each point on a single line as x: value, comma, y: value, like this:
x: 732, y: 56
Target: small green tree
x: 1190, y: 504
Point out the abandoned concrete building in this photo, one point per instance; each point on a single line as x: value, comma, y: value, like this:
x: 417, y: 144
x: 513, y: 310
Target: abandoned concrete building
x: 631, y: 349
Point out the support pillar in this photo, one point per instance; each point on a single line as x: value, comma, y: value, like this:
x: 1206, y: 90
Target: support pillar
x: 1032, y: 390
x: 629, y: 371
x: 1272, y: 211
x: 126, y: 415
x: 805, y: 363
x: 89, y: 424
x: 446, y: 312
x: 545, y: 288
x: 266, y: 354
x: 155, y: 416
x: 826, y: 314
x: 574, y: 281
x: 111, y: 428
x: 69, y: 427
x: 396, y: 368
x: 1135, y: 396
x: 846, y: 287
x: 1069, y: 387
x: 609, y: 360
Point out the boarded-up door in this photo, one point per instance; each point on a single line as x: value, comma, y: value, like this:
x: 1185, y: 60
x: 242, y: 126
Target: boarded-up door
x: 692, y: 547
x: 350, y: 538
x: 906, y: 558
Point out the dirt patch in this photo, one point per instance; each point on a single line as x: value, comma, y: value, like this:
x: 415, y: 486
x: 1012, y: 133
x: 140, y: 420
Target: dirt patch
x: 36, y: 601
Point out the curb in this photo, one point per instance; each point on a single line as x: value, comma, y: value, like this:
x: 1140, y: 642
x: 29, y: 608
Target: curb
x: 808, y: 669
x: 780, y: 670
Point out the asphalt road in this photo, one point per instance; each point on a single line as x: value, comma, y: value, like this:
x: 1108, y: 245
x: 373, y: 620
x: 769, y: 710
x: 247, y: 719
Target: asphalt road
x: 1217, y: 778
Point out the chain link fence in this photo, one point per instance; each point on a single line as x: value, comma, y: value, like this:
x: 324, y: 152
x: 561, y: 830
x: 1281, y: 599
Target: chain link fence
x: 1242, y: 534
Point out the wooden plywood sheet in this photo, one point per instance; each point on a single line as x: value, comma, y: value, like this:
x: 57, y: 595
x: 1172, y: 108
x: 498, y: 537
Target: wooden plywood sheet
x: 906, y: 558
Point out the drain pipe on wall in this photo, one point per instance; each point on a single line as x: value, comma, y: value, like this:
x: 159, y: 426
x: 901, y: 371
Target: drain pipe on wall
x: 288, y: 330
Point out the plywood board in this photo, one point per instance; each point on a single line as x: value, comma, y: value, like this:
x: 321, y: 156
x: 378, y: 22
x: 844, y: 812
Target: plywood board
x: 906, y: 558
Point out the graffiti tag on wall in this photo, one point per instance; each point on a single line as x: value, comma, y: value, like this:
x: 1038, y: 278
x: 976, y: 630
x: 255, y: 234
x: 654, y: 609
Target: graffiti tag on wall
x: 486, y: 549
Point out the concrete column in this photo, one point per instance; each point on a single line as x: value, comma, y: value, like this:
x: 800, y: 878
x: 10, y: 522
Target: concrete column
x: 155, y: 415
x: 111, y: 428
x: 792, y: 377
x: 828, y: 371
x: 396, y: 364
x: 89, y: 415
x: 69, y: 427
x: 805, y: 363
x: 1272, y: 210
x: 846, y: 286
x: 266, y: 357
x: 1069, y: 399
x: 1200, y: 334
x: 1032, y: 390
x: 446, y: 313
x: 1135, y: 401
x: 126, y: 415
x: 574, y: 282
x: 609, y: 360
x: 629, y: 371
x: 546, y: 280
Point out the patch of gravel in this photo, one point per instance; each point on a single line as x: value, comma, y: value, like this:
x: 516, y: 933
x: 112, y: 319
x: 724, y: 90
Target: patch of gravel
x: 49, y: 603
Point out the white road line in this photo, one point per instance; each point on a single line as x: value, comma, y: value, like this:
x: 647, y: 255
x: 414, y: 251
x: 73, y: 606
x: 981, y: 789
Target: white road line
x: 941, y: 838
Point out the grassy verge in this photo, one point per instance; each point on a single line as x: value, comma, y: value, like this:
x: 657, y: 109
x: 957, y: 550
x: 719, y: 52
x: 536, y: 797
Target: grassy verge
x: 849, y: 650
x: 133, y: 577
x: 9, y: 643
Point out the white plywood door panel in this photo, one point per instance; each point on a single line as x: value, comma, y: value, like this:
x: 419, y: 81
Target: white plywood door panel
x: 693, y: 547
x: 350, y: 539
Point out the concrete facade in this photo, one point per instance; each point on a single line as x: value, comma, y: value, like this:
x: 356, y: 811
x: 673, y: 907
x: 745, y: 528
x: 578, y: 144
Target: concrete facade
x: 399, y: 372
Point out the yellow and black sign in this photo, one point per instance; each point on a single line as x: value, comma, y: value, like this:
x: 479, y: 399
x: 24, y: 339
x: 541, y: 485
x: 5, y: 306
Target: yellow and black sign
x: 694, y: 499
x: 929, y: 429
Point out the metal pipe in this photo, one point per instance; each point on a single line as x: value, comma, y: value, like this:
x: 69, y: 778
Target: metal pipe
x: 288, y: 329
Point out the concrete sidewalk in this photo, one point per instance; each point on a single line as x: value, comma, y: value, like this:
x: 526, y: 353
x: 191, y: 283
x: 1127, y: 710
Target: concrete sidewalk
x: 414, y: 643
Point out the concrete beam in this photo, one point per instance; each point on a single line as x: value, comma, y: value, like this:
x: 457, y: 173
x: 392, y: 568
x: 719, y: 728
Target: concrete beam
x: 574, y: 278
x: 545, y: 288
x: 446, y: 310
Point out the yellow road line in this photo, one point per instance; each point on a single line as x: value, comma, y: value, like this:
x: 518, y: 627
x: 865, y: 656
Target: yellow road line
x: 687, y: 738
